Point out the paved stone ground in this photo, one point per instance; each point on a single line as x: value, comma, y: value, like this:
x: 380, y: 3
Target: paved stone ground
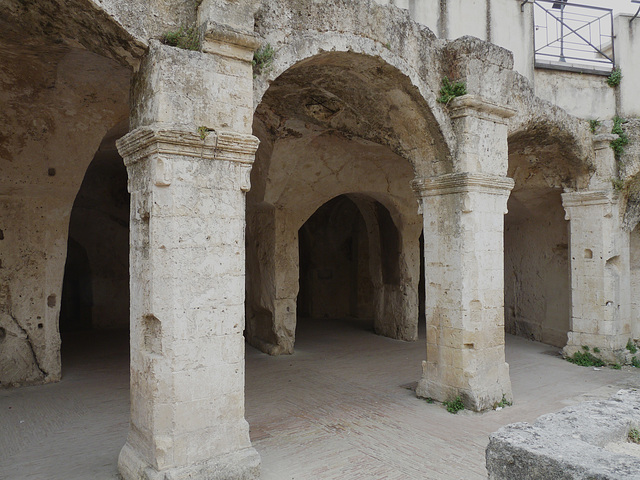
x: 337, y: 409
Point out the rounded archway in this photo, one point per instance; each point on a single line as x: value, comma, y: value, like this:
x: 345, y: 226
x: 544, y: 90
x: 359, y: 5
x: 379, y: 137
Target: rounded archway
x: 95, y: 288
x: 336, y: 124
x: 536, y: 240
x: 350, y: 266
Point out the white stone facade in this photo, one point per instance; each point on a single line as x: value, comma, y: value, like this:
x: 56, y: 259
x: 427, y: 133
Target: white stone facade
x: 510, y: 196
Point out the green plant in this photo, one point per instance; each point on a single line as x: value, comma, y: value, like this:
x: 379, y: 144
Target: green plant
x: 429, y: 400
x: 585, y: 348
x: 263, y: 59
x: 635, y: 362
x: 455, y: 405
x: 632, y: 346
x: 449, y: 90
x: 616, y: 366
x: 187, y: 38
x: 585, y: 359
x: 593, y: 125
x: 596, y: 350
x: 619, y: 143
x: 502, y: 403
x: 203, y: 132
x: 387, y: 46
x: 634, y: 435
x: 613, y: 80
x: 618, y: 185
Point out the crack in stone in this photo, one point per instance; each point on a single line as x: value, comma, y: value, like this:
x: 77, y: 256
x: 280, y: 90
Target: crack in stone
x: 33, y: 352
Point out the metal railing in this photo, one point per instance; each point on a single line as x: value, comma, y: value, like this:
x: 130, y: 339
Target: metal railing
x: 570, y: 36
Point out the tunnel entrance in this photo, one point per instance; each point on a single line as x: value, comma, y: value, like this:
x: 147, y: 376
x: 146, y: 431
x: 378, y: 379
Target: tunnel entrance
x: 95, y: 292
x: 335, y: 279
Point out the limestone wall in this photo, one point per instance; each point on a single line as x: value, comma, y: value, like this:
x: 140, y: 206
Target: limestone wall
x: 537, y: 290
x: 627, y: 48
x: 60, y: 102
x: 501, y: 22
x: 635, y: 282
x: 581, y: 94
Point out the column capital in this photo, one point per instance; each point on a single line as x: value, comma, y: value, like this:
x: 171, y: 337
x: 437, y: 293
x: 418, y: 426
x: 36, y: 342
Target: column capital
x: 603, y: 140
x: 462, y: 183
x: 587, y: 198
x: 479, y: 107
x: 229, y: 42
x: 143, y: 142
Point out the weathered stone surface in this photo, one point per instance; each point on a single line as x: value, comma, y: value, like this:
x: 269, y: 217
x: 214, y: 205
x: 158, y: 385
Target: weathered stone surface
x: 347, y: 113
x: 569, y: 444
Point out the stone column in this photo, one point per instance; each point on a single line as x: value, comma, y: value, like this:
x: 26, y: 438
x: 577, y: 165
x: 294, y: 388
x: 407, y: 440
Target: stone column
x: 464, y: 262
x: 187, y: 305
x: 599, y: 256
x: 188, y: 159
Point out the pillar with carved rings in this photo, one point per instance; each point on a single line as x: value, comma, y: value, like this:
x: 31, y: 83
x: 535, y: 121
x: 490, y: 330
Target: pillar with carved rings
x: 187, y: 304
x: 600, y: 275
x: 188, y: 158
x: 464, y: 261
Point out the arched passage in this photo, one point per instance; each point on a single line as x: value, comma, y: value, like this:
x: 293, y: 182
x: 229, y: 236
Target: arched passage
x: 95, y: 292
x: 537, y: 264
x: 94, y: 307
x: 334, y: 124
x: 350, y: 263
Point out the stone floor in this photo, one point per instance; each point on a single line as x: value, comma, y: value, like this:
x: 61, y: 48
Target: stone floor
x: 339, y: 408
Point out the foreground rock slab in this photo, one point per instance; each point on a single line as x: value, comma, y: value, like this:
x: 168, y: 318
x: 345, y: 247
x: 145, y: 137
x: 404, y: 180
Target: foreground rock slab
x: 569, y: 444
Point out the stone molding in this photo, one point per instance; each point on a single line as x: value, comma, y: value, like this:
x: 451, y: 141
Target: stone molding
x: 603, y: 140
x: 476, y: 106
x: 143, y: 142
x: 228, y: 42
x: 453, y: 183
x: 582, y: 199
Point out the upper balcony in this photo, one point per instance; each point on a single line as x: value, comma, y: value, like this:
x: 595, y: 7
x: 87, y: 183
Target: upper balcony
x: 573, y: 37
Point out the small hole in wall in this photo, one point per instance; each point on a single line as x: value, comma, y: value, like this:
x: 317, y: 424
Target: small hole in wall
x: 3, y: 334
x: 588, y: 253
x: 51, y: 172
x: 1, y: 235
x: 51, y: 300
x: 40, y: 325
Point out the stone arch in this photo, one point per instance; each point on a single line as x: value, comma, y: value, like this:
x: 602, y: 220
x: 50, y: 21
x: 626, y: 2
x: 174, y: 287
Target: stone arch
x: 61, y: 87
x: 99, y: 228
x: 325, y: 133
x: 367, y: 37
x: 355, y: 236
x: 550, y: 152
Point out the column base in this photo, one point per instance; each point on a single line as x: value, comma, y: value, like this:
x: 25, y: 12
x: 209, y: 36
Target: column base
x: 241, y: 465
x: 609, y: 348
x: 493, y: 390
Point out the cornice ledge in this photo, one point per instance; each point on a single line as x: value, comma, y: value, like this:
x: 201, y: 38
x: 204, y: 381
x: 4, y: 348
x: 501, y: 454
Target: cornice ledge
x: 217, y: 32
x: 478, y: 106
x: 587, y: 197
x: 228, y: 42
x: 603, y: 140
x: 162, y: 139
x: 461, y: 183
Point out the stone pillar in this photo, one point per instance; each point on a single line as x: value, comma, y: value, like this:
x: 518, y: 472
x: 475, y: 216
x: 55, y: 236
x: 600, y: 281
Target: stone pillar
x: 464, y: 257
x: 187, y: 305
x: 599, y: 256
x: 188, y: 158
x: 271, y: 305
